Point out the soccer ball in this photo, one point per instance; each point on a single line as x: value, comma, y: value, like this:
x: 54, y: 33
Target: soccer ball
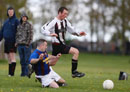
x: 108, y: 84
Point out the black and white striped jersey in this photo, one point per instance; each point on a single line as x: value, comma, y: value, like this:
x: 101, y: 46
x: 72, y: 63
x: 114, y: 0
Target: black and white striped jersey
x: 59, y: 27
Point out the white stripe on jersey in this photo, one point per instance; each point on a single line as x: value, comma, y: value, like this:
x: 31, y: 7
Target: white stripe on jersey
x: 49, y: 28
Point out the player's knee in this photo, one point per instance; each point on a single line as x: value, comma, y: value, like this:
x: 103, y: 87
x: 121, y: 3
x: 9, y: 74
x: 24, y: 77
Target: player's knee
x: 74, y: 51
x: 55, y: 86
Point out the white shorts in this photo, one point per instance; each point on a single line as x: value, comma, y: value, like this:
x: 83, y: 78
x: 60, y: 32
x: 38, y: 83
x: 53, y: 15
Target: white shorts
x: 49, y: 78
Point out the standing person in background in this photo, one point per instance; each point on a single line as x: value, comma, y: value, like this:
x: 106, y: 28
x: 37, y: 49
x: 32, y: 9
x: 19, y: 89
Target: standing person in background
x: 8, y: 32
x: 57, y: 29
x: 23, y: 42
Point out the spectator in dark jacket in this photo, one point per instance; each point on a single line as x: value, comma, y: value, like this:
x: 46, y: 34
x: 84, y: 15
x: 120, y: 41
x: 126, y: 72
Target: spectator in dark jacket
x: 23, y: 41
x: 8, y: 32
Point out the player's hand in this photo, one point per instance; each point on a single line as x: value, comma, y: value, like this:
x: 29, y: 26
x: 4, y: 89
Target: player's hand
x: 58, y: 55
x: 41, y: 56
x: 54, y: 59
x: 82, y: 33
x: 53, y: 34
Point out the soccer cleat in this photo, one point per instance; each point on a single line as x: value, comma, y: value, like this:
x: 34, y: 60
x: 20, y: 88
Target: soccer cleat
x: 62, y: 84
x: 30, y: 70
x: 77, y: 74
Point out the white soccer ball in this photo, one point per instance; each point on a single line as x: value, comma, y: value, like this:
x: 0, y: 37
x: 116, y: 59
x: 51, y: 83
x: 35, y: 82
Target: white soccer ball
x: 108, y: 84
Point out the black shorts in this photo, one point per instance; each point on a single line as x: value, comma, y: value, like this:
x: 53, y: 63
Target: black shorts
x: 60, y: 48
x: 9, y: 47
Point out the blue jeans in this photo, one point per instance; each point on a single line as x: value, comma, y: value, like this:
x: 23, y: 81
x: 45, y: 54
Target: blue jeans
x: 24, y: 54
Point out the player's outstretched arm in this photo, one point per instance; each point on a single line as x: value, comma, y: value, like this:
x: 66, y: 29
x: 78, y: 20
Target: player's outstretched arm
x: 79, y: 34
x: 53, y: 35
x: 53, y: 59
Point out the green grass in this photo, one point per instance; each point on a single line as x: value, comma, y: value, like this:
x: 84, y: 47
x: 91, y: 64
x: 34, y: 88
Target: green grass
x: 96, y: 66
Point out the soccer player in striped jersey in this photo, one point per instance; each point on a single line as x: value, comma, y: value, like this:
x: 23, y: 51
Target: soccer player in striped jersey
x: 57, y: 29
x: 41, y: 62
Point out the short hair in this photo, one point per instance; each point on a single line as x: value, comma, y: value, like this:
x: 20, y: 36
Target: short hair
x: 40, y: 41
x: 10, y: 8
x: 61, y: 9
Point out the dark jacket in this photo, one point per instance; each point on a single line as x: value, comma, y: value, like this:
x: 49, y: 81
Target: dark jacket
x: 9, y: 28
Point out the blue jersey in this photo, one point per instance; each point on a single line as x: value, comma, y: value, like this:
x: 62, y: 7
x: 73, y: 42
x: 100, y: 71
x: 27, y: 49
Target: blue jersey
x: 41, y: 67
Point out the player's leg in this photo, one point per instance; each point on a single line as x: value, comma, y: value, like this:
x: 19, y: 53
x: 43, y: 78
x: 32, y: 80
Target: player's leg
x: 13, y: 62
x: 10, y: 65
x: 6, y: 51
x: 75, y: 54
x: 48, y: 81
x: 61, y: 82
x: 53, y: 84
x: 10, y: 50
x: 64, y: 49
x: 30, y: 70
x: 57, y: 78
x: 30, y: 66
x: 9, y: 60
x: 12, y: 57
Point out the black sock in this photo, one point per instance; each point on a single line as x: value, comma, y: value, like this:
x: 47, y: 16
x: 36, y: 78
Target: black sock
x: 13, y: 68
x: 10, y: 68
x: 74, y: 65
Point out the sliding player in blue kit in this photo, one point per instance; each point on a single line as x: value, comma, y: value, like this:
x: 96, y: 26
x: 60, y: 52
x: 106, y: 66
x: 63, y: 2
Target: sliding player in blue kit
x: 41, y: 62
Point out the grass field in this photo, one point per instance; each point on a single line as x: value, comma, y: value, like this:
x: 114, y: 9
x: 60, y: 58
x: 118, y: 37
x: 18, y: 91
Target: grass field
x: 96, y: 66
